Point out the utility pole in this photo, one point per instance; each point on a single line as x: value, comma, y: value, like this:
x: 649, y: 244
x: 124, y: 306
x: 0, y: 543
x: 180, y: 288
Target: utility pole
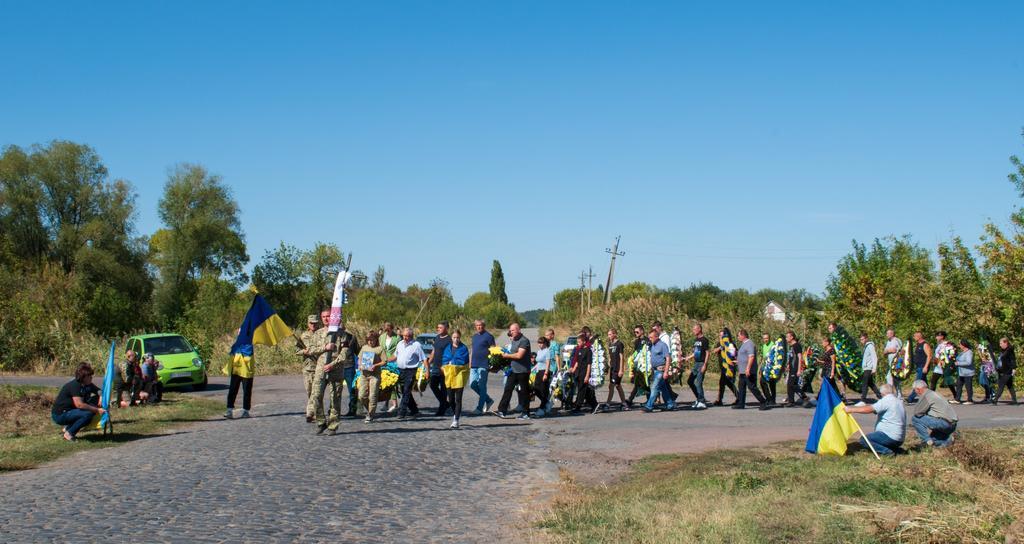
x: 590, y: 284
x: 611, y: 269
x: 583, y: 287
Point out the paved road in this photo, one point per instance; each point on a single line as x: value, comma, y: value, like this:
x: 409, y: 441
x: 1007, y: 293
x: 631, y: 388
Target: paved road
x: 269, y: 478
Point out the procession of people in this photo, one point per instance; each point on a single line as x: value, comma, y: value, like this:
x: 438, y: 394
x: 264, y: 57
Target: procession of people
x: 557, y: 382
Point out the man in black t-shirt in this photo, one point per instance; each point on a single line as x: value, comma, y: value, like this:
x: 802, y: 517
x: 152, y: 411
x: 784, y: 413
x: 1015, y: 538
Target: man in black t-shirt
x: 701, y: 349
x: 581, y: 359
x: 795, y: 368
x: 519, y: 379
x: 442, y: 342
x: 70, y: 408
x: 616, y: 369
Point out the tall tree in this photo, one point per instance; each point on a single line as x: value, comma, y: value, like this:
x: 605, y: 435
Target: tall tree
x: 320, y: 266
x: 497, y: 286
x: 1004, y: 261
x: 202, y: 236
x: 965, y: 307
x: 890, y: 283
x: 280, y: 278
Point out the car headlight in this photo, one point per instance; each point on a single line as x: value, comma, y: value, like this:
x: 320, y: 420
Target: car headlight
x: 197, y: 362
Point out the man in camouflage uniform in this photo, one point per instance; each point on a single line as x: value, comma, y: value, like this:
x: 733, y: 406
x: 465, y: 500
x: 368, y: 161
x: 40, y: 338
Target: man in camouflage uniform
x: 326, y: 378
x: 308, y: 360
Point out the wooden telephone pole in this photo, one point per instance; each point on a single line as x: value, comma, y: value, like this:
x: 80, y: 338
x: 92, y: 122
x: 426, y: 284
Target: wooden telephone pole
x: 590, y: 285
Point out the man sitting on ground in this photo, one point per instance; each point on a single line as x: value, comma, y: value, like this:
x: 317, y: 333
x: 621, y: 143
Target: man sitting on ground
x: 934, y: 419
x: 891, y: 427
x: 71, y: 409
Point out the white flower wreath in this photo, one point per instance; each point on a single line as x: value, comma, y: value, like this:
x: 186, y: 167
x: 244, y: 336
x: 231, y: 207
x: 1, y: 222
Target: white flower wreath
x: 597, y: 365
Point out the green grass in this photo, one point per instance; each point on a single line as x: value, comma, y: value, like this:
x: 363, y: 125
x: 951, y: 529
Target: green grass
x: 970, y: 492
x: 28, y: 437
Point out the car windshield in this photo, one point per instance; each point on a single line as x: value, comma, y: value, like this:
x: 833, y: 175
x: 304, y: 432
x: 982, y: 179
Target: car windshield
x: 166, y: 345
x: 426, y: 341
x: 571, y: 341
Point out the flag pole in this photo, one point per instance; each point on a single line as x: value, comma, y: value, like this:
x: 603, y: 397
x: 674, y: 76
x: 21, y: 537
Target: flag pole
x: 861, y: 431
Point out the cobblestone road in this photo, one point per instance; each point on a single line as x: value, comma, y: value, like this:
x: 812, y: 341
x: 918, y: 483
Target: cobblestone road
x: 269, y: 478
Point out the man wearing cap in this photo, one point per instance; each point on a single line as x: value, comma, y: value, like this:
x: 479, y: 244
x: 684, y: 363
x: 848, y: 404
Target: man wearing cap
x: 308, y: 359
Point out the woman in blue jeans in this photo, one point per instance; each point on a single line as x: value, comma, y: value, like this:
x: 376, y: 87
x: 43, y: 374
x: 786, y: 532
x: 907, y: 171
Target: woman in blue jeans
x: 72, y: 408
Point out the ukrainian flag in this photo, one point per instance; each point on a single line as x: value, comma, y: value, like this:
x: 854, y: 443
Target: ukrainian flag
x: 832, y: 426
x: 261, y: 325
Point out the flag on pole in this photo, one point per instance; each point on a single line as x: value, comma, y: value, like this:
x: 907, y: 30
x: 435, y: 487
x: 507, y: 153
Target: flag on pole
x: 338, y: 300
x: 108, y: 389
x: 261, y: 325
x: 831, y: 426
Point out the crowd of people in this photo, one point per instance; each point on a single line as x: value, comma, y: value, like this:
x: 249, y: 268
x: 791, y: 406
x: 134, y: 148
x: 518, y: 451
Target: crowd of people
x: 565, y: 382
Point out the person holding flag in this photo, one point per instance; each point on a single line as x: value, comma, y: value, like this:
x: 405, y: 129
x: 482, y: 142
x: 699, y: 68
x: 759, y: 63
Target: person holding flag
x: 891, y: 427
x: 71, y: 408
x: 263, y: 326
x: 832, y: 425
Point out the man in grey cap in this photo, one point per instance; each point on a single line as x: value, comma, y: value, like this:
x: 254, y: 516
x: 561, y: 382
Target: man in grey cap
x: 308, y: 359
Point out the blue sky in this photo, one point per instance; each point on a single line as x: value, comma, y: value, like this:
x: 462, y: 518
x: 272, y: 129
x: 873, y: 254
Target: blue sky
x: 740, y: 143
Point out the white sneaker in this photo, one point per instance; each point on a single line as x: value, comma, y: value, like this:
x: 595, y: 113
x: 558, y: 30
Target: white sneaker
x: 524, y: 416
x: 861, y: 403
x: 454, y: 425
x: 700, y: 405
x: 228, y: 414
x: 245, y: 413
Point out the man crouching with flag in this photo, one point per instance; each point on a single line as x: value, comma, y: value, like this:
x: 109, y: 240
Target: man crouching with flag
x: 891, y: 427
x: 832, y: 425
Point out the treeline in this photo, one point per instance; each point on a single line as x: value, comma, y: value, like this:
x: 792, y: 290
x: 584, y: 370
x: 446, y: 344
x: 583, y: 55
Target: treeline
x: 74, y: 270
x: 698, y: 302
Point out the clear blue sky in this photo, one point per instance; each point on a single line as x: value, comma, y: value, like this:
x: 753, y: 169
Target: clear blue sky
x: 740, y: 143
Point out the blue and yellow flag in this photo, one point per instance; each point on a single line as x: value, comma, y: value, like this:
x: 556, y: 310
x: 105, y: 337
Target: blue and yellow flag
x: 832, y: 426
x: 100, y: 421
x: 261, y: 325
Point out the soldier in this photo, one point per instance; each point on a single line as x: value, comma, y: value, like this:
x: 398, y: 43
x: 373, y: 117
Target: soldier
x: 309, y: 360
x: 326, y: 376
x: 348, y: 350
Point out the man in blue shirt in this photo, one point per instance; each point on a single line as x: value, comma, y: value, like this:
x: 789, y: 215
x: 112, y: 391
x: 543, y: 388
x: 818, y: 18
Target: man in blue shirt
x: 660, y: 361
x: 482, y: 342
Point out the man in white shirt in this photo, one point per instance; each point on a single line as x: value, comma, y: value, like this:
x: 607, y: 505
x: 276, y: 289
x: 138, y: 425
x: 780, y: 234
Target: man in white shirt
x: 868, y: 365
x: 408, y: 357
x: 891, y: 427
x: 893, y: 346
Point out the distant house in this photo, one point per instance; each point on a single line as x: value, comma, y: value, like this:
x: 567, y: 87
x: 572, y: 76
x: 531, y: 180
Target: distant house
x: 774, y: 311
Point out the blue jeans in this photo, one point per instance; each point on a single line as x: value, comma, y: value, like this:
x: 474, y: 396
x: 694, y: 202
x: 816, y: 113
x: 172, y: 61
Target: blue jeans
x: 349, y: 375
x: 660, y: 385
x: 696, y: 383
x: 478, y: 383
x: 883, y: 444
x: 74, y: 419
x: 935, y: 429
x: 920, y: 376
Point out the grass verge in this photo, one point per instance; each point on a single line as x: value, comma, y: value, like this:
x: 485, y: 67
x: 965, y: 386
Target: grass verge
x: 28, y: 437
x: 972, y: 491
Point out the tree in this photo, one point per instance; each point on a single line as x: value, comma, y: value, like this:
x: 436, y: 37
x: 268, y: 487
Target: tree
x: 891, y: 283
x: 1004, y: 262
x: 202, y: 236
x: 320, y: 267
x: 57, y: 206
x: 280, y: 278
x: 497, y: 286
x: 636, y: 289
x: 378, y: 279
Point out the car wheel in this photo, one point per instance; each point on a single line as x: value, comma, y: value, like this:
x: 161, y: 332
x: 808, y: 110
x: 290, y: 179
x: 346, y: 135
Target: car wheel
x: 201, y: 386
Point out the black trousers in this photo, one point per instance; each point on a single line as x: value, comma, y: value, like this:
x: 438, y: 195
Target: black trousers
x: 741, y: 395
x: 455, y: 402
x: 542, y: 388
x: 1006, y: 380
x: 437, y: 386
x: 246, y: 384
x: 522, y: 379
x: 723, y: 382
x: 793, y: 388
x: 961, y: 382
x: 769, y: 387
x: 933, y: 383
x: 585, y: 393
x: 407, y: 379
x: 868, y: 382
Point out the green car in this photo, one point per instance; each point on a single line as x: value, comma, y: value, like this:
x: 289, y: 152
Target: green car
x: 178, y: 362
